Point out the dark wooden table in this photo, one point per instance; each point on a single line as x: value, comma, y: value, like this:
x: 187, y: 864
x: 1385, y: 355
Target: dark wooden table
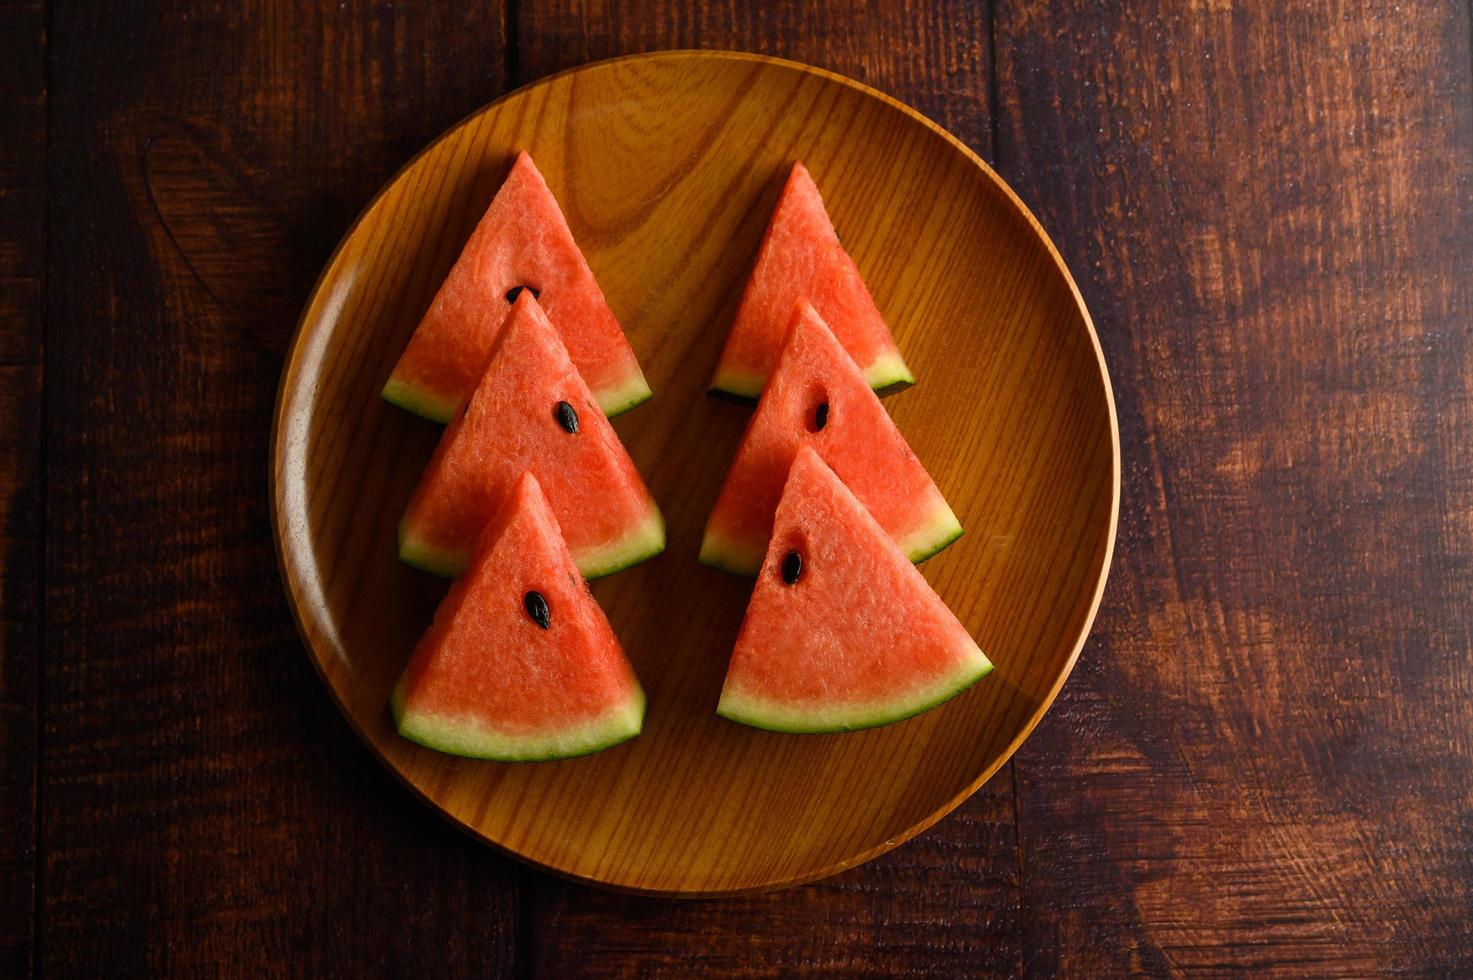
x: 1263, y: 757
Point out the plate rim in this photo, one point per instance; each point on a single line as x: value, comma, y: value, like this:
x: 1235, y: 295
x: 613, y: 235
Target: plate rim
x: 292, y: 362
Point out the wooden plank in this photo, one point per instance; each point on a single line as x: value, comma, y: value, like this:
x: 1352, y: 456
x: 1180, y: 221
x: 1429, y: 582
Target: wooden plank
x: 944, y: 904
x: 932, y: 55
x: 22, y: 254
x: 947, y: 902
x: 1265, y: 757
x: 205, y: 807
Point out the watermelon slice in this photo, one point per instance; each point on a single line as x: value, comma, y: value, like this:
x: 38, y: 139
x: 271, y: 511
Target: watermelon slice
x: 522, y: 241
x: 520, y: 663
x: 531, y: 410
x: 842, y: 631
x: 818, y: 397
x: 801, y: 259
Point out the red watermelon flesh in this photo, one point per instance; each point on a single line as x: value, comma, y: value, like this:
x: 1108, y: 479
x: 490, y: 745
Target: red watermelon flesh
x: 523, y: 240
x: 858, y: 439
x: 801, y: 259
x: 857, y: 637
x: 488, y: 681
x: 511, y: 424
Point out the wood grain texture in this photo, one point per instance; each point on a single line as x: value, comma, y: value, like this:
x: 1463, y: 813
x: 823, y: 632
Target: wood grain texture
x: 667, y: 167
x: 22, y: 251
x: 1262, y: 761
x: 1265, y: 760
x: 204, y: 808
x: 930, y: 54
x: 944, y: 904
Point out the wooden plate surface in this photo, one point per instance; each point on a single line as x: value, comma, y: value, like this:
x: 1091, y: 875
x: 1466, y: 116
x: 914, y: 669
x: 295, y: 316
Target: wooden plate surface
x: 668, y: 166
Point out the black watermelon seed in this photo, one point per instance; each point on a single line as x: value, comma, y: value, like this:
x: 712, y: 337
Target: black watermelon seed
x: 566, y: 417
x: 515, y: 291
x: 821, y: 417
x: 792, y: 567
x: 537, y: 609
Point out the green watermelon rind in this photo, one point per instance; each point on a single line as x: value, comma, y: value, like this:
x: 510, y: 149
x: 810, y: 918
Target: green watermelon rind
x: 809, y: 720
x: 464, y: 738
x: 436, y: 561
x: 633, y: 392
x: 419, y: 400
x: 888, y: 373
x: 644, y: 541
x: 620, y: 399
x: 931, y: 538
x: 717, y: 552
x: 934, y: 536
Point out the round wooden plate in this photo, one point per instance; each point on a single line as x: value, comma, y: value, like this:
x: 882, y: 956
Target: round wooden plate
x: 668, y: 166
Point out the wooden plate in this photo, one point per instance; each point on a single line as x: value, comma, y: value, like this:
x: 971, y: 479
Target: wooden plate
x: 668, y: 166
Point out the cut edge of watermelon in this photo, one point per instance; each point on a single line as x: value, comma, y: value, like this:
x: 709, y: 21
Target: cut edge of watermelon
x: 436, y: 561
x: 643, y: 541
x: 421, y: 401
x: 466, y: 737
x: 791, y: 719
x: 737, y: 385
x: 932, y: 537
x: 720, y: 552
x: 889, y: 373
x: 631, y: 393
x: 886, y: 375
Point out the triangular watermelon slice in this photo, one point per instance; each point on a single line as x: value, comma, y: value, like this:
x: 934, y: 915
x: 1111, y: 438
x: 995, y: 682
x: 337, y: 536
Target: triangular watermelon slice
x: 842, y: 631
x: 520, y: 663
x: 817, y: 396
x: 532, y: 411
x: 522, y: 242
x: 801, y: 258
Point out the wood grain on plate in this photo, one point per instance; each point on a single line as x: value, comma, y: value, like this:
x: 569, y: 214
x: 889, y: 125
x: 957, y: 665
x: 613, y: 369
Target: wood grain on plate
x: 948, y: 901
x: 667, y: 166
